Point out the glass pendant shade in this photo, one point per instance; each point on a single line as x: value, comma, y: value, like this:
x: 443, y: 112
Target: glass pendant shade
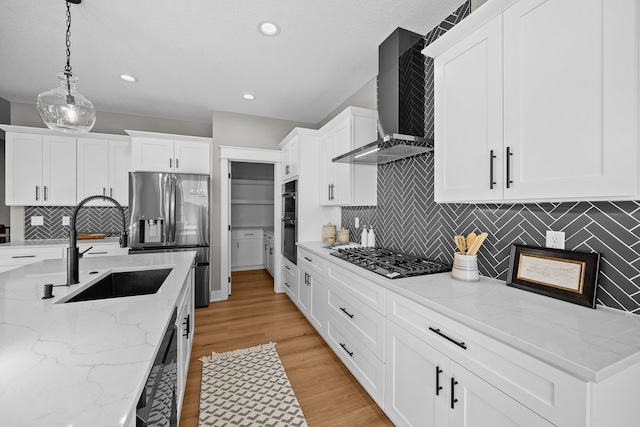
x: 64, y: 108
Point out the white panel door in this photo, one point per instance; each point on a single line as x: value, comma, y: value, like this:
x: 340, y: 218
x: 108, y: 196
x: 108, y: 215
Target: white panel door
x: 342, y: 143
x: 59, y: 171
x: 570, y: 98
x: 476, y: 403
x: 23, y: 169
x: 152, y: 154
x: 416, y: 389
x: 304, y: 290
x: 192, y: 157
x: 119, y: 168
x: 327, y: 171
x: 468, y: 118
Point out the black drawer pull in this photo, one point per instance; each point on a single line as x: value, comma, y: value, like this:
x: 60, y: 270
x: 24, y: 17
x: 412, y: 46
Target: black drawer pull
x: 438, y: 386
x: 344, y: 347
x: 308, y: 259
x: 287, y: 285
x: 187, y: 326
x: 458, y: 343
x: 344, y: 310
x: 453, y: 393
x: 97, y: 253
x: 509, y: 180
x: 287, y: 267
x: 23, y: 256
x: 491, y: 181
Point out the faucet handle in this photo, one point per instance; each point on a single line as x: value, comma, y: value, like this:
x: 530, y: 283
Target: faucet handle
x: 86, y: 250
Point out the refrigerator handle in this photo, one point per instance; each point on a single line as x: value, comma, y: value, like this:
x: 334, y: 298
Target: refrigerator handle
x: 172, y: 202
x: 166, y: 194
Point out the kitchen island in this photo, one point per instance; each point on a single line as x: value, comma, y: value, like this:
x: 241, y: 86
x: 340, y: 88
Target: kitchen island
x: 81, y: 363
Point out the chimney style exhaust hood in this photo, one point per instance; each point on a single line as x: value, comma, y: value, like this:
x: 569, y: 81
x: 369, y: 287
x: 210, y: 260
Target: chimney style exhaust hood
x: 401, y: 83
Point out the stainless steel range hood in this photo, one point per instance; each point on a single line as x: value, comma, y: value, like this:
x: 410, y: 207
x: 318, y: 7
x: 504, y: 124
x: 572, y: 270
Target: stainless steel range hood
x: 401, y: 81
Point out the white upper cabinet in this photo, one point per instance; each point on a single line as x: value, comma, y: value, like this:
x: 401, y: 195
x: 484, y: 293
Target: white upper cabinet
x: 551, y: 92
x: 40, y: 169
x: 170, y: 153
x: 290, y: 158
x: 103, y: 169
x: 343, y: 184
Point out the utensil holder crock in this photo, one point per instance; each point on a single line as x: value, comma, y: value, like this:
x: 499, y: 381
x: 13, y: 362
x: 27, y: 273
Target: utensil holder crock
x: 465, y: 267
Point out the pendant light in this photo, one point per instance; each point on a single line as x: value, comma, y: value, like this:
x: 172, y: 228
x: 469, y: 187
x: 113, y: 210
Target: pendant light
x: 64, y: 108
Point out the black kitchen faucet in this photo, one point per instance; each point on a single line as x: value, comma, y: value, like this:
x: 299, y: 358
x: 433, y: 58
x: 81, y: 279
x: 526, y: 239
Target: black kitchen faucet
x: 73, y: 253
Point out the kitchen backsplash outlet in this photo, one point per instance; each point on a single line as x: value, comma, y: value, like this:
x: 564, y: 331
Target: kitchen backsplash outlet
x: 408, y: 220
x: 90, y: 220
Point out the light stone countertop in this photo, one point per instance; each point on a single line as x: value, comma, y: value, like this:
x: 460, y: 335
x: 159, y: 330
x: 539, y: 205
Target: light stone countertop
x: 590, y: 344
x: 81, y: 363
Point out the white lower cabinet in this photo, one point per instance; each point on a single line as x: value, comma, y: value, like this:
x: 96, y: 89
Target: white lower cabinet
x: 11, y: 258
x: 246, y: 249
x: 185, y: 329
x: 311, y: 288
x: 289, y: 278
x: 425, y: 388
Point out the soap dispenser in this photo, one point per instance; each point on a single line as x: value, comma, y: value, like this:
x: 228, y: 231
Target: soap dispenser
x: 371, y: 238
x: 364, y: 237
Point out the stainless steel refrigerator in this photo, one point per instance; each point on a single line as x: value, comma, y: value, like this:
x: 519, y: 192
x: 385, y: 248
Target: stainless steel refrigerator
x: 168, y: 213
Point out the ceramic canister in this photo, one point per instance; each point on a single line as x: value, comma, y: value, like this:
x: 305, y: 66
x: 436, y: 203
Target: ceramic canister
x: 465, y: 267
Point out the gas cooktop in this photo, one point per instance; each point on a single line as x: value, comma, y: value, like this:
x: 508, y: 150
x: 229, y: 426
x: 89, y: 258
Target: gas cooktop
x: 390, y: 264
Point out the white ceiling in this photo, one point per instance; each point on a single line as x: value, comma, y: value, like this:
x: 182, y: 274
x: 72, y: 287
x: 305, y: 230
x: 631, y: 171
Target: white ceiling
x: 193, y: 57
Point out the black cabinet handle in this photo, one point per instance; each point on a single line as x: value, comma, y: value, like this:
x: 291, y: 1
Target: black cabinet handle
x: 344, y: 347
x: 491, y: 181
x: 37, y: 192
x: 187, y: 327
x: 177, y: 163
x: 329, y: 198
x: 344, y: 310
x: 453, y: 392
x: 97, y: 253
x: 23, y: 256
x: 308, y: 259
x: 111, y: 192
x: 509, y: 154
x: 46, y: 196
x: 438, y: 386
x: 287, y: 285
x: 170, y: 162
x: 458, y: 343
x: 287, y: 267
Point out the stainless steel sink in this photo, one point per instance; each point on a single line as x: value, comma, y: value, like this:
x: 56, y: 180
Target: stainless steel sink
x: 124, y: 284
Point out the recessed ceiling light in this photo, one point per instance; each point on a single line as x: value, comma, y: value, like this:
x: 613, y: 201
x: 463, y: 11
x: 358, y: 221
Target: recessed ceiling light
x: 269, y: 28
x: 128, y: 78
x: 248, y: 97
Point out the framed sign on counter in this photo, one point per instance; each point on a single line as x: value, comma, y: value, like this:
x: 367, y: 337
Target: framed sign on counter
x: 566, y: 275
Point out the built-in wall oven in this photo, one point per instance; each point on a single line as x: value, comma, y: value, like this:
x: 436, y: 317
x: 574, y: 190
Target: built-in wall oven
x: 290, y: 220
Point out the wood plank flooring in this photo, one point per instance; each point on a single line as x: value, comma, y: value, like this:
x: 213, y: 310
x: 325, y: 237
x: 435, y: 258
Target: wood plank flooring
x: 328, y: 394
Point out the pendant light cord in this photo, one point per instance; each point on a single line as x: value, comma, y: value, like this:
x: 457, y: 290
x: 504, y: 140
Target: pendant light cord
x: 68, y: 66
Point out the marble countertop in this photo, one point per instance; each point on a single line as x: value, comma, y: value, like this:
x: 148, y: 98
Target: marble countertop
x: 591, y: 344
x: 56, y: 242
x: 81, y: 363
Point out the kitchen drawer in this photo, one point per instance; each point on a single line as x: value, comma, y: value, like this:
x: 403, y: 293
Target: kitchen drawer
x: 289, y: 278
x: 24, y: 256
x: 550, y: 392
x: 362, y: 289
x: 315, y: 263
x: 366, y: 324
x: 362, y: 363
x: 248, y: 234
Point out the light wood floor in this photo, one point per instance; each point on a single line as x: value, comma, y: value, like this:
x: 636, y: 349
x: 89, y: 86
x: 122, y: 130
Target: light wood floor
x: 328, y: 394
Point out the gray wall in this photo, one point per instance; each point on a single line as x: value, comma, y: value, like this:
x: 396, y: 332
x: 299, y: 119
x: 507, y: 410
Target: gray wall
x: 239, y: 130
x: 365, y: 97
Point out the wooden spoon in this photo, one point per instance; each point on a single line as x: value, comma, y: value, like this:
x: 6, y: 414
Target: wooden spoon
x: 477, y: 243
x: 460, y: 243
x: 471, y: 237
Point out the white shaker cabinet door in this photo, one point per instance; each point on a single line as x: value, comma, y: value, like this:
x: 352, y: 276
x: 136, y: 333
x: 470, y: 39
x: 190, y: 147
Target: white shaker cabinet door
x: 152, y: 154
x: 93, y: 167
x: 468, y: 118
x: 23, y: 169
x: 192, y: 157
x: 119, y: 168
x: 59, y: 171
x: 570, y: 98
x: 476, y: 403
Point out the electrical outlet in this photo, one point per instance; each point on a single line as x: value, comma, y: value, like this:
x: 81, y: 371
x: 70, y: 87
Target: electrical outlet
x: 555, y: 239
x: 37, y: 220
x: 357, y: 221
x: 66, y: 220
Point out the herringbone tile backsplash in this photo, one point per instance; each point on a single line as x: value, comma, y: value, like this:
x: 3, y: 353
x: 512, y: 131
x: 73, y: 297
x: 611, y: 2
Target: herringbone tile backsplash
x: 408, y: 220
x: 90, y: 220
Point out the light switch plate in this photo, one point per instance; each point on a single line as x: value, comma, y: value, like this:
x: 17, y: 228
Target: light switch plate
x: 357, y: 222
x: 37, y: 220
x: 555, y: 239
x: 66, y: 220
